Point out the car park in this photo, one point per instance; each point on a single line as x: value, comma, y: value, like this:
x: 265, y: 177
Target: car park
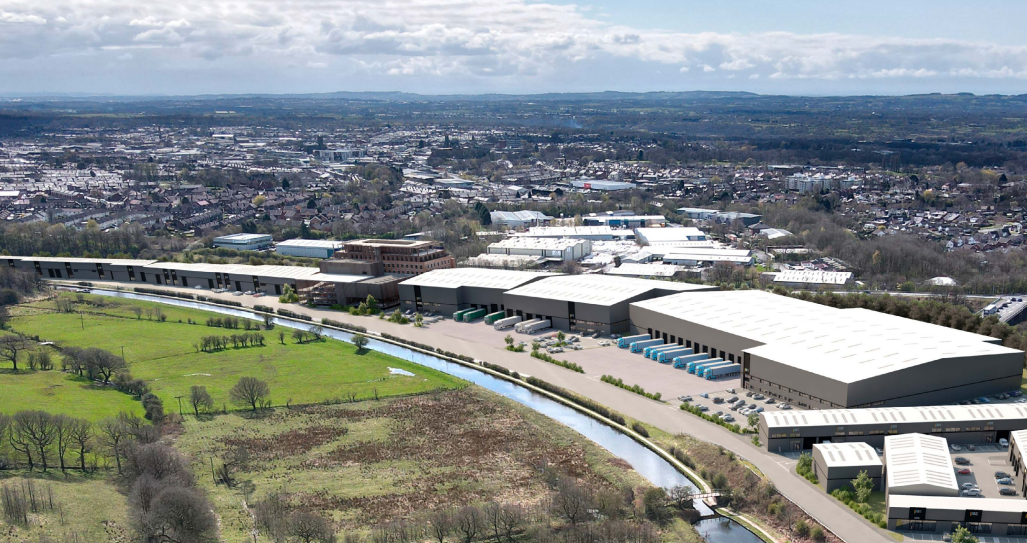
x: 784, y: 407
x: 703, y: 408
x: 971, y: 447
x: 718, y: 399
x: 968, y: 486
x: 770, y: 400
x: 1007, y: 492
x: 758, y: 397
x: 1003, y: 442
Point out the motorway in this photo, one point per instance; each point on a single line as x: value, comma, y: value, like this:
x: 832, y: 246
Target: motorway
x: 778, y: 468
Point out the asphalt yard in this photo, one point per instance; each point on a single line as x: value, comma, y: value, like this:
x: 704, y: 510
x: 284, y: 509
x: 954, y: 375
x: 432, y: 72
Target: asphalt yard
x: 596, y: 360
x: 985, y: 461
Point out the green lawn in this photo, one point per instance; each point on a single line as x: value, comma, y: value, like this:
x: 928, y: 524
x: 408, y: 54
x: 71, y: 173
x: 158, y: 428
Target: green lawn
x: 58, y: 392
x: 163, y: 354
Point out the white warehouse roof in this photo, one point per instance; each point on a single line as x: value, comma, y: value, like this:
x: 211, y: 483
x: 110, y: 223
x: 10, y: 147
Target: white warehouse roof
x: 320, y: 243
x: 855, y: 454
x: 845, y: 345
x: 597, y: 289
x: 888, y: 415
x: 474, y: 277
x: 919, y: 465
x: 669, y: 235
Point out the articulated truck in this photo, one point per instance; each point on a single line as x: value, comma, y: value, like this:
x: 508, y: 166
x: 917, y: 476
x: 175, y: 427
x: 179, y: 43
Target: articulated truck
x: 688, y: 361
x: 460, y: 314
x: 519, y: 327
x: 666, y: 357
x: 626, y: 341
x: 722, y: 371
x: 491, y: 318
x: 650, y: 352
x: 473, y: 315
x: 509, y: 322
x: 639, y: 346
x: 701, y: 369
x: 536, y: 326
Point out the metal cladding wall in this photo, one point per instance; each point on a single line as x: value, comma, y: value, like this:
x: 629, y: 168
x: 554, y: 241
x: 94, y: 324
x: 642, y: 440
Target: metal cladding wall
x: 932, y: 383
x: 608, y: 319
x: 448, y: 300
x: 644, y: 320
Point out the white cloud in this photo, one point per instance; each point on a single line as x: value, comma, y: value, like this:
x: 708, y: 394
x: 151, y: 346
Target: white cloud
x: 523, y: 41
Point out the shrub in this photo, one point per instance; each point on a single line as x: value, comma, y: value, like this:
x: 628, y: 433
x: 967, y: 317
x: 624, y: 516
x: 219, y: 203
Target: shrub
x: 639, y: 429
x: 632, y: 388
x: 584, y: 402
x: 546, y: 358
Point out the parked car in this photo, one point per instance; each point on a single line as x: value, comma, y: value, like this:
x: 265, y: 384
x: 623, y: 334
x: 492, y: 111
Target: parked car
x: 1001, y: 475
x: 604, y: 343
x: 728, y: 418
x: 759, y: 409
x: 752, y: 406
x: 758, y: 397
x: 1016, y: 393
x: 955, y: 447
x: 964, y: 471
x: 1005, y: 481
x: 971, y: 447
x: 749, y: 394
x: 968, y: 486
x: 1003, y: 442
x: 197, y: 287
x: 732, y: 399
x: 685, y: 398
x: 718, y: 399
x: 972, y: 493
x: 770, y: 400
x: 704, y: 395
x: 730, y: 391
x: 703, y: 408
x: 784, y: 407
x: 237, y: 293
x: 961, y: 460
x: 1007, y: 492
x: 735, y: 407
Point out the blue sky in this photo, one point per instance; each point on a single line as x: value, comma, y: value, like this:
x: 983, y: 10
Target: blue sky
x: 511, y: 46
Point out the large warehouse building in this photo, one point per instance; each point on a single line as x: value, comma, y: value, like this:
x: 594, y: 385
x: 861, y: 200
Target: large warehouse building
x: 448, y: 291
x: 795, y: 430
x: 588, y: 303
x: 822, y: 357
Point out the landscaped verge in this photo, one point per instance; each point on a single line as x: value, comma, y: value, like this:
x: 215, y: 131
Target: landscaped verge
x: 617, y: 382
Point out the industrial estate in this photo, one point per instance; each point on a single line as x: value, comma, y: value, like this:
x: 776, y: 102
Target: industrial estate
x: 863, y: 391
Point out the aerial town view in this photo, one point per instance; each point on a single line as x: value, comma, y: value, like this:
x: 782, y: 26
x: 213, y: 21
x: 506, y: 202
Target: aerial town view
x: 512, y: 271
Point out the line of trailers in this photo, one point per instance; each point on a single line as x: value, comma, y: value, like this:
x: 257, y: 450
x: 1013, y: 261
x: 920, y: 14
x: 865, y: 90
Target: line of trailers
x: 500, y: 321
x: 681, y: 357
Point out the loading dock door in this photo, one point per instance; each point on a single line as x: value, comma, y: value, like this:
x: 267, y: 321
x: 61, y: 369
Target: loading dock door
x: 278, y: 289
x: 238, y: 286
x: 210, y: 283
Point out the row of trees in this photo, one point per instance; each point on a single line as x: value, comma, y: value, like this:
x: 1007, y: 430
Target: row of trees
x: 209, y: 344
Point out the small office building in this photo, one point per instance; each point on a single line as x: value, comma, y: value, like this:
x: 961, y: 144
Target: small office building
x: 942, y: 514
x: 1017, y: 454
x: 919, y: 465
x: 450, y: 290
x: 837, y: 464
x: 592, y: 302
x: 243, y: 242
x: 308, y: 248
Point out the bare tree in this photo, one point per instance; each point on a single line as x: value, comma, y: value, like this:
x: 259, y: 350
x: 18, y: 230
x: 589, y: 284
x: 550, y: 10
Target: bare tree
x: 271, y: 516
x: 317, y: 331
x: 138, y: 311
x: 64, y: 305
x: 200, y: 399
x: 114, y: 432
x: 469, y: 523
x: 10, y: 347
x: 250, y: 391
x: 80, y: 433
x: 103, y: 364
x: 38, y: 429
x: 62, y: 436
x: 441, y: 524
x: 178, y: 514
x: 512, y: 518
x: 281, y: 336
x: 311, y: 528
x: 571, y: 500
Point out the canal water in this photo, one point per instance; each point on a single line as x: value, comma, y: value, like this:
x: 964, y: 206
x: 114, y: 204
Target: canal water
x: 647, y: 463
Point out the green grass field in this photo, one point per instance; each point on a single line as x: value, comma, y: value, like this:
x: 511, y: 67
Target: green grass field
x: 163, y: 354
x: 58, y: 392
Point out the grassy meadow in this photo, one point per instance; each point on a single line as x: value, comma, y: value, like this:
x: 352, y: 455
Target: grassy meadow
x: 164, y: 354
